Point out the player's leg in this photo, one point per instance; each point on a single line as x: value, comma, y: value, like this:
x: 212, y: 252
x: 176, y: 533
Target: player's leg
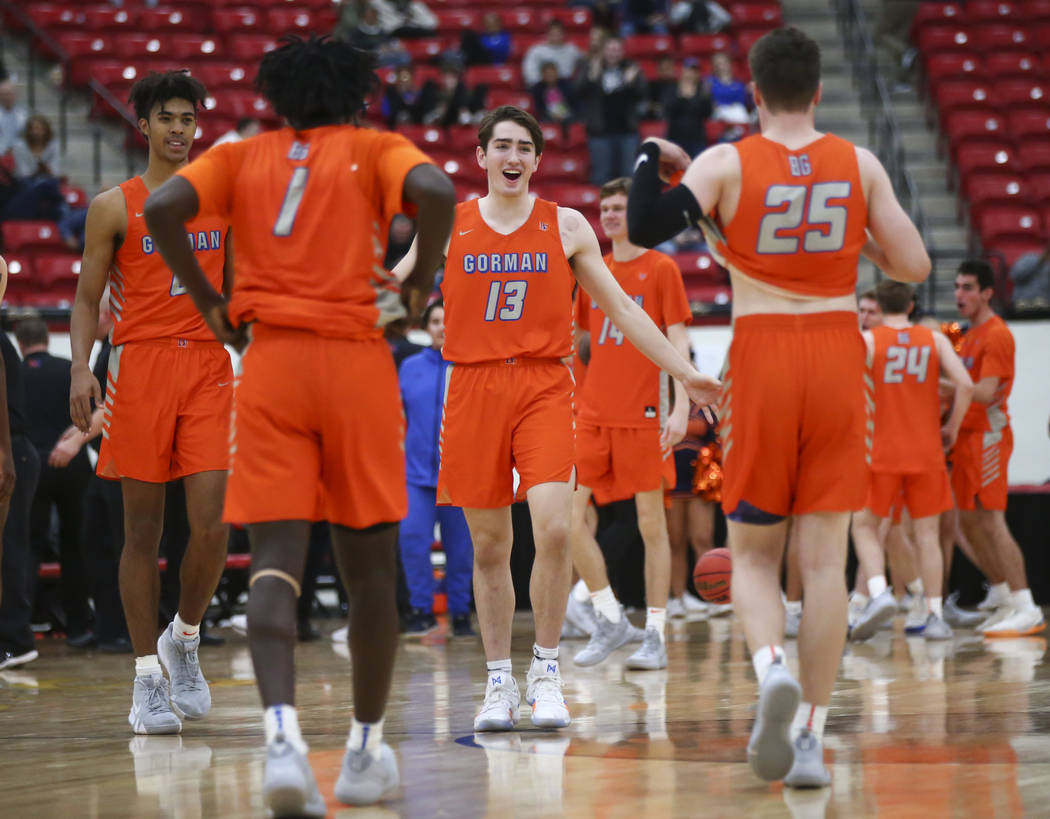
x: 652, y: 524
x: 792, y: 584
x: 700, y: 524
x: 927, y: 541
x: 881, y: 605
x: 199, y: 575
x: 587, y: 558
x: 550, y: 505
x: 902, y: 554
x: 415, y: 542
x: 975, y: 526
x: 677, y: 517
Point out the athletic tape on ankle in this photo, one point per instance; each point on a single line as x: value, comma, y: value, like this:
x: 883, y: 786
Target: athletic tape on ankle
x: 287, y: 578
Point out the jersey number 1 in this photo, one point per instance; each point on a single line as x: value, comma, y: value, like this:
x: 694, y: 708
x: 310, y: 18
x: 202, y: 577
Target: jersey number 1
x: 293, y: 197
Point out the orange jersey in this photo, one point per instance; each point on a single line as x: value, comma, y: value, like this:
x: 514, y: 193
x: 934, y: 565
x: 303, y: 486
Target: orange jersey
x: 146, y: 299
x: 906, y: 370
x: 623, y: 387
x: 507, y: 296
x: 311, y: 211
x: 800, y: 224
x: 988, y: 351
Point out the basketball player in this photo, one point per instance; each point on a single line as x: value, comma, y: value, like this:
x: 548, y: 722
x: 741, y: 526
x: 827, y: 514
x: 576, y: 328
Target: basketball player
x: 907, y: 459
x: 624, y: 434
x: 511, y: 265
x: 982, y: 453
x: 319, y: 428
x: 868, y: 312
x: 797, y: 207
x: 167, y: 403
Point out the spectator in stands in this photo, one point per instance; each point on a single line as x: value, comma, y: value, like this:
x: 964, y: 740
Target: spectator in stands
x: 491, y: 46
x: 369, y: 34
x: 1030, y: 275
x: 687, y: 108
x: 422, y: 379
x: 60, y: 489
x: 448, y: 101
x: 37, y: 194
x: 665, y: 82
x: 729, y: 96
x: 402, y: 100
x: 246, y: 128
x: 893, y: 37
x: 609, y: 91
x: 698, y: 17
x: 552, y: 97
x: 644, y: 17
x: 12, y: 117
x: 19, y: 470
x: 555, y: 49
x: 405, y: 18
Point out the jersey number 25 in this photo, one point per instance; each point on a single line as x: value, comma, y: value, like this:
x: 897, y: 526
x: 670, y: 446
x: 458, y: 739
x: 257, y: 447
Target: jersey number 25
x: 828, y: 221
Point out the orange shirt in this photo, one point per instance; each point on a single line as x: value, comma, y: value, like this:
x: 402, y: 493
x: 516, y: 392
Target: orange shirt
x: 988, y: 351
x: 507, y: 296
x: 310, y: 211
x: 906, y: 370
x: 623, y: 387
x: 146, y: 300
x: 801, y: 221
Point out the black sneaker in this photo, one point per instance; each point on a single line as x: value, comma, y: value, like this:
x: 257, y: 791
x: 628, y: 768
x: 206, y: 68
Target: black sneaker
x: 461, y: 626
x: 419, y: 623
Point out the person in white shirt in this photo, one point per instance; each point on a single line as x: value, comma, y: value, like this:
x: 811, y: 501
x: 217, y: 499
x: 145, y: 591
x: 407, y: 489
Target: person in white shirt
x: 555, y: 49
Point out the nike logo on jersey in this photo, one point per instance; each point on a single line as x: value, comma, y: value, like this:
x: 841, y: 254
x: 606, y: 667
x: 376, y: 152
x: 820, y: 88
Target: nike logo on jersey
x: 465, y: 232
x: 223, y: 384
x: 139, y: 215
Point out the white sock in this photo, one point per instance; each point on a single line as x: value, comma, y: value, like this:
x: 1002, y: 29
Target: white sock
x: 544, y: 660
x: 656, y: 619
x: 1022, y: 600
x: 763, y: 659
x: 915, y: 587
x: 541, y: 653
x: 365, y: 736
x: 793, y: 607
x: 876, y: 585
x: 580, y: 592
x: 145, y: 666
x: 1000, y: 593
x: 282, y: 719
x: 498, y: 671
x: 859, y: 600
x: 181, y: 630
x: 606, y: 604
x: 935, y: 605
x: 811, y: 717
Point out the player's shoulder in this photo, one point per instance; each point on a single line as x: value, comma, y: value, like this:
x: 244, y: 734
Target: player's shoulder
x: 108, y: 205
x: 1000, y: 329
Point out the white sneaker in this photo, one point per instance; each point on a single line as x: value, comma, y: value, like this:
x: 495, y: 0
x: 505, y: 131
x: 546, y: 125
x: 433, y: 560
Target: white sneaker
x: 289, y: 787
x: 917, y: 613
x: 580, y: 615
x: 719, y: 609
x: 694, y: 605
x: 239, y: 623
x: 1019, y: 623
x: 993, y: 599
x: 543, y: 693
x: 502, y: 705
x: 366, y: 778
x: 675, y: 608
x: 151, y: 706
x: 341, y: 635
x: 995, y: 618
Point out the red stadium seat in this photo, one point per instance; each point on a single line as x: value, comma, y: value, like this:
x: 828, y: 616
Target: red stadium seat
x: 31, y: 235
x: 424, y: 136
x: 972, y: 157
x: 291, y: 20
x: 56, y: 16
x: 563, y: 167
x: 1028, y: 122
x: 952, y: 66
x: 697, y: 45
x: 507, y: 76
x: 249, y: 46
x: 750, y: 15
x: 984, y: 190
x: 557, y: 139
x: 1034, y: 11
x: 1017, y: 93
x: 57, y: 269
x: 456, y: 22
x: 931, y: 15
x: 935, y: 39
x: 1004, y: 38
x: 110, y: 19
x: 747, y: 38
x: 1039, y: 190
x: 700, y: 268
x: 1012, y: 65
x: 75, y: 197
x: 1009, y: 222
x: 216, y: 76
x: 972, y: 126
x: 981, y: 12
x: 1013, y: 249
x: 235, y: 20
x: 20, y: 270
x: 574, y: 20
x: 422, y: 49
x: 523, y: 19
x: 462, y: 169
x: 233, y: 103
x: 1034, y: 154
x: 969, y: 95
x: 462, y: 138
x: 82, y: 48
x: 648, y: 45
x: 508, y: 96
x: 161, y: 20
x: 581, y: 197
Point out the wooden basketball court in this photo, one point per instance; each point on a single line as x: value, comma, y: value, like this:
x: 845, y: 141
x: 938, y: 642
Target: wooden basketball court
x: 916, y: 729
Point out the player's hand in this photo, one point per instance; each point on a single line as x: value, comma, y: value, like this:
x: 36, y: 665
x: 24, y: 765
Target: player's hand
x: 673, y: 158
x: 66, y: 448
x: 218, y: 320
x: 674, y: 431
x: 83, y: 387
x: 948, y: 436
x: 7, y: 475
x: 704, y: 391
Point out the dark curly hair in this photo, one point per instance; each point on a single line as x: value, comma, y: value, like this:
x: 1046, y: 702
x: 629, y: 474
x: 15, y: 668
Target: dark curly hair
x: 159, y: 87
x: 317, y: 81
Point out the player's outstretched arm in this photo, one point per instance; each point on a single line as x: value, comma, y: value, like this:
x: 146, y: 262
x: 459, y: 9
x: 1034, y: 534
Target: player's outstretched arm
x: 678, y: 421
x: 895, y: 245
x: 106, y: 221
x: 955, y: 371
x: 167, y: 210
x: 581, y: 248
x: 431, y: 191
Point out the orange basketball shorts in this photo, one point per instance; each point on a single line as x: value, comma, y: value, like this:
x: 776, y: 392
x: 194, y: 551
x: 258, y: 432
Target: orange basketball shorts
x: 979, y: 465
x: 504, y: 415
x: 167, y: 410
x: 318, y: 432
x: 617, y: 463
x: 923, y: 494
x: 793, y: 417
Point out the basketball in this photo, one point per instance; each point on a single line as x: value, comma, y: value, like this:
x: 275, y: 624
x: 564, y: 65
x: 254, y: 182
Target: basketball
x: 711, y: 575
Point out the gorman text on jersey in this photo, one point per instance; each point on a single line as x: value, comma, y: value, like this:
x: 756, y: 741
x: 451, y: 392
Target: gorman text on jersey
x: 201, y: 240
x: 505, y: 263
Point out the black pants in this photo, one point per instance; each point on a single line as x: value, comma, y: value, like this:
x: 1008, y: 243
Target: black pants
x: 16, y: 635
x: 103, y: 543
x: 63, y: 489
